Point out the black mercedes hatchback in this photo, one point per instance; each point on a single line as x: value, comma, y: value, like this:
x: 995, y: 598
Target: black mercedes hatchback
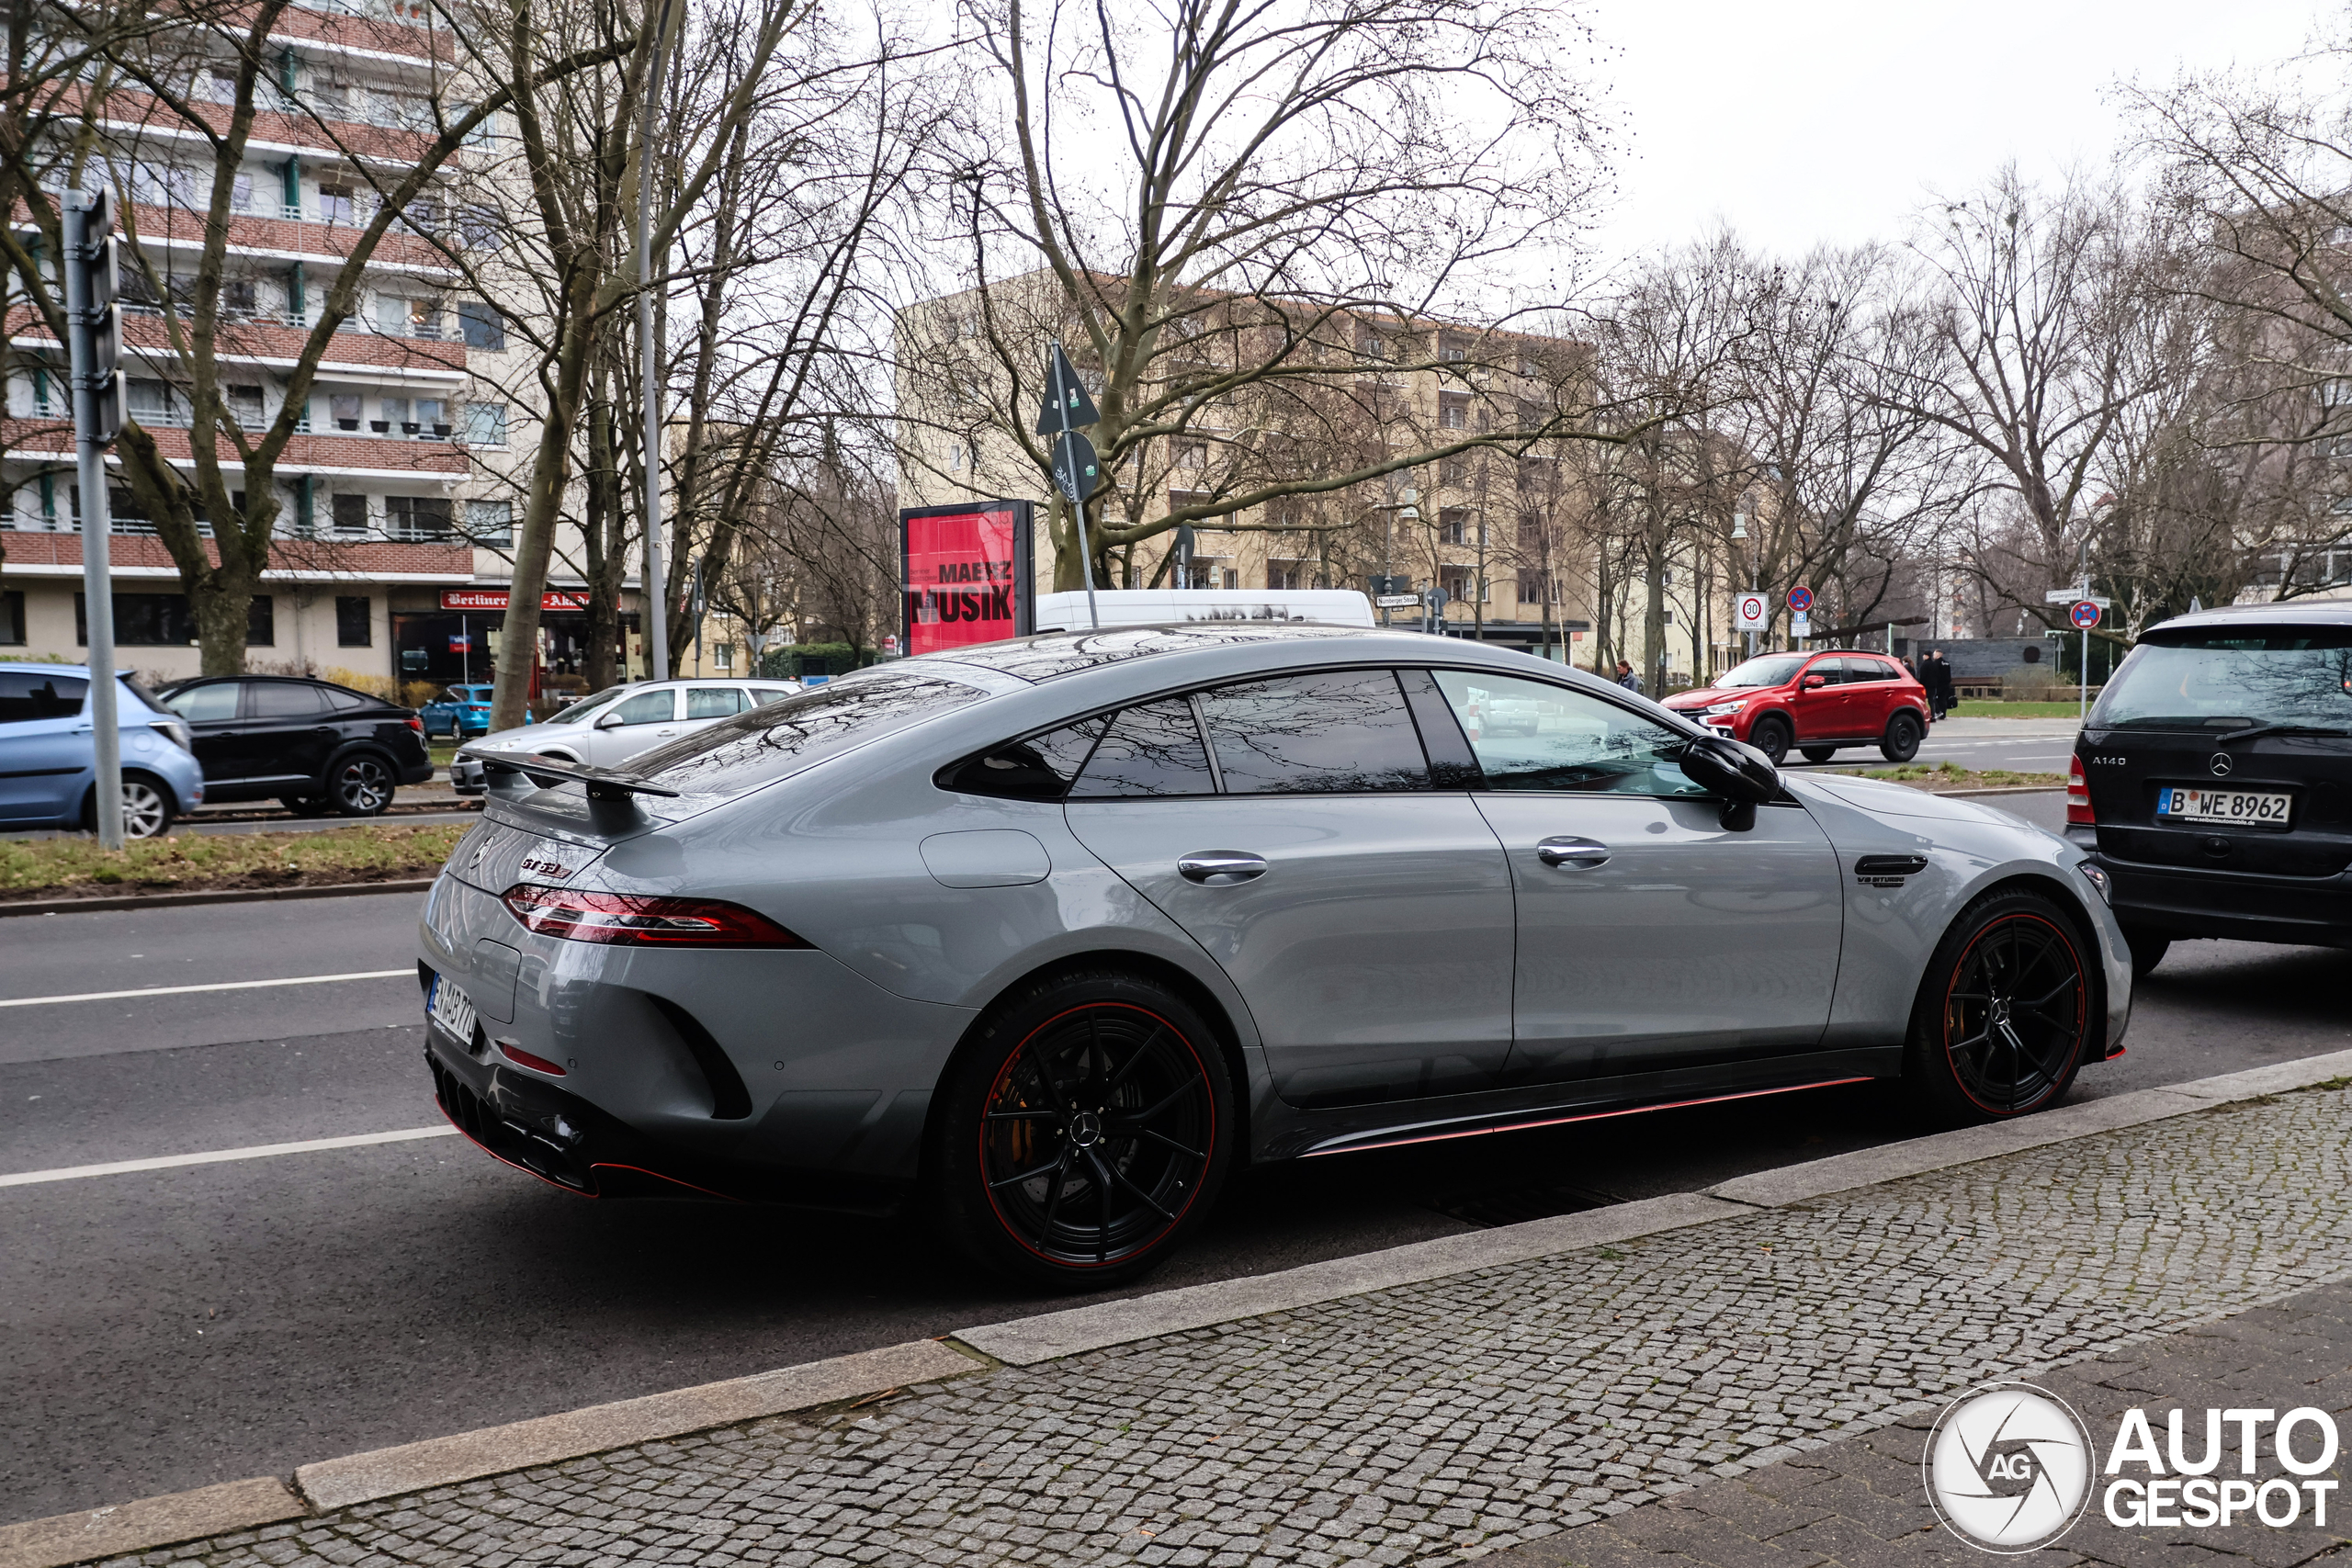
x: 316, y: 746
x: 2213, y: 782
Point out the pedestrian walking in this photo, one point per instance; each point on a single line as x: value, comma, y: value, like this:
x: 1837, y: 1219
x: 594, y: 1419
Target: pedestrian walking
x: 1936, y: 678
x: 1625, y: 676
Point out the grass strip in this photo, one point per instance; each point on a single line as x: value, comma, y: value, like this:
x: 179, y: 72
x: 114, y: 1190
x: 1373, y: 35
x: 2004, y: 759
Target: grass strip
x: 1936, y: 778
x: 190, y: 863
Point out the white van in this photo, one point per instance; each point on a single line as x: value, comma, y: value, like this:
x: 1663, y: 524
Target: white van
x: 1163, y: 606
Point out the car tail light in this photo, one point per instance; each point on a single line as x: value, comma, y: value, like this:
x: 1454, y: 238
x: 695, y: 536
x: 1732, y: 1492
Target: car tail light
x: 416, y: 724
x: 2078, y: 795
x: 628, y: 919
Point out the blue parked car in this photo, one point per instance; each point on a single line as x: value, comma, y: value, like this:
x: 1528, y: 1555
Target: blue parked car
x: 49, y: 766
x: 458, y: 712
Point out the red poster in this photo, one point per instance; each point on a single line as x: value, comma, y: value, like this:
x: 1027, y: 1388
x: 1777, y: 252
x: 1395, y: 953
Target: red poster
x: 967, y: 574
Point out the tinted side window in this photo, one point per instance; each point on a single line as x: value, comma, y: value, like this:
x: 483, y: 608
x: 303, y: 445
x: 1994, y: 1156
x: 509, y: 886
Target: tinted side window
x: 1870, y: 669
x: 215, y: 700
x: 1152, y: 750
x: 1529, y: 734
x: 1330, y: 732
x: 25, y: 697
x: 344, y: 702
x: 282, y: 699
x: 1040, y: 768
x: 1832, y: 672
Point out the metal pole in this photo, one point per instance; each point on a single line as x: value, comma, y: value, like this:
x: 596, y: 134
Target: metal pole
x: 1086, y: 565
x: 2083, y: 674
x: 657, y: 591
x: 98, y: 567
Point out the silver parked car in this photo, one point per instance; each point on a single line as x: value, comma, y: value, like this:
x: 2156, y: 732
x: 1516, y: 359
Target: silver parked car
x: 1044, y: 936
x: 612, y: 725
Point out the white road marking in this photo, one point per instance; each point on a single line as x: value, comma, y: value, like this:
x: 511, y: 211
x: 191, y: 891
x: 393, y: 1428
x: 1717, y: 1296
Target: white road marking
x: 219, y: 1156
x: 217, y: 986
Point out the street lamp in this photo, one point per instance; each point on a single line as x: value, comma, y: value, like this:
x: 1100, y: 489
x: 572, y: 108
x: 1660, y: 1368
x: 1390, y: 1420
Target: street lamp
x: 1739, y: 535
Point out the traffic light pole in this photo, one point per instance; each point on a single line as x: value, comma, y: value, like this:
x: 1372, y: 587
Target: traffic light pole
x: 98, y: 567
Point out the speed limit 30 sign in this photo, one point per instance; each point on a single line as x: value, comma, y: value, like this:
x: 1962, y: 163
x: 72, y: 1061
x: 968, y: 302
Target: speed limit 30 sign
x: 1751, y: 613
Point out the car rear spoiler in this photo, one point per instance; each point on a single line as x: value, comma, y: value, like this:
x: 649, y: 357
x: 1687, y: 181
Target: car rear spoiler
x: 604, y: 784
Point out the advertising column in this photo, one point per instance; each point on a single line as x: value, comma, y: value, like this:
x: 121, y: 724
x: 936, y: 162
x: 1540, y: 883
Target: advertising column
x: 967, y: 574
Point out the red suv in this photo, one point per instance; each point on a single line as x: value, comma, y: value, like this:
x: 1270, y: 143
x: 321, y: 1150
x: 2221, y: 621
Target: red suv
x: 1815, y: 702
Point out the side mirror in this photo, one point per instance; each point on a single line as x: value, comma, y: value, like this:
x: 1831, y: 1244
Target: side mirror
x: 1744, y: 777
x: 1815, y: 683
x: 609, y: 720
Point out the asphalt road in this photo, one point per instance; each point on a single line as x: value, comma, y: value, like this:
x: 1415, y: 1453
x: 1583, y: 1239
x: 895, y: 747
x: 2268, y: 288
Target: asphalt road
x: 2020, y: 745
x: 166, y: 1329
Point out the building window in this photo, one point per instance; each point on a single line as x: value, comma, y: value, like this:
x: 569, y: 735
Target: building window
x: 485, y: 327
x: 1232, y: 578
x: 1454, y: 525
x: 1283, y: 575
x: 12, y: 618
x: 1453, y: 410
x: 162, y: 620
x: 485, y: 424
x: 355, y: 621
x: 1192, y: 454
x: 1455, y: 580
x: 1453, y: 347
x: 246, y: 408
x: 336, y: 205
x: 722, y: 654
x: 416, y: 518
x: 491, y: 521
x: 156, y: 404
x: 350, y: 515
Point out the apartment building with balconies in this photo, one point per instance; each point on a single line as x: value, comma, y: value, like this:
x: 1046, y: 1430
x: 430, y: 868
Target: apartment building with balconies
x: 398, y: 492
x: 1500, y: 531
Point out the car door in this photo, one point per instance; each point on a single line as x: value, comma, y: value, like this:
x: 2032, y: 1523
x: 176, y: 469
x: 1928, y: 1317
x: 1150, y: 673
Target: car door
x: 1867, y: 694
x: 1650, y: 936
x: 1364, y: 916
x: 1818, y: 711
x: 637, y: 723
x: 45, y: 748
x: 285, y: 736
x: 213, y: 711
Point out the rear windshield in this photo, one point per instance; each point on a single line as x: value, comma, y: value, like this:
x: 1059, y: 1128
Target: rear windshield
x: 780, y: 738
x: 2233, y: 678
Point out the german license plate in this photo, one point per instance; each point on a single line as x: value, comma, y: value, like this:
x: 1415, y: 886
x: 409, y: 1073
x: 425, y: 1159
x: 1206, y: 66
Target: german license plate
x: 449, y: 1007
x: 2244, y: 807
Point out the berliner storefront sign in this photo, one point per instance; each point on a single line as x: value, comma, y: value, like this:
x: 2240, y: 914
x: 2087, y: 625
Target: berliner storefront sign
x: 495, y: 598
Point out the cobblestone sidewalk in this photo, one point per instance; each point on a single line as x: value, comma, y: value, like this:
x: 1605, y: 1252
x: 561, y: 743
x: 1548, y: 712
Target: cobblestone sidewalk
x: 1480, y: 1411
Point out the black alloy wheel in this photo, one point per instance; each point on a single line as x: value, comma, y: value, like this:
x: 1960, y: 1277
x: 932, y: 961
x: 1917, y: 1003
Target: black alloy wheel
x: 1772, y: 735
x: 1085, y: 1132
x: 1818, y: 753
x: 2006, y: 1013
x: 360, y: 785
x: 1903, y: 737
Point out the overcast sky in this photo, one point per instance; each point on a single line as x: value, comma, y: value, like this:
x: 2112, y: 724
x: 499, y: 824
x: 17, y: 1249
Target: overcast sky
x: 1804, y: 120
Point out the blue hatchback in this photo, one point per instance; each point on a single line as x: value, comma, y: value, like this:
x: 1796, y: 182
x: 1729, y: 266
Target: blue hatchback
x: 48, y: 765
x: 458, y: 712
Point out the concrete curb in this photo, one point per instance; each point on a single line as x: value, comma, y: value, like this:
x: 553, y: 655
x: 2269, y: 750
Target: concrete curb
x: 494, y: 1450
x: 227, y: 895
x: 1025, y: 1341
x: 151, y: 1522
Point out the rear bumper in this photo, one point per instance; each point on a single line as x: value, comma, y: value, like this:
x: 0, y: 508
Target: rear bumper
x: 2182, y: 902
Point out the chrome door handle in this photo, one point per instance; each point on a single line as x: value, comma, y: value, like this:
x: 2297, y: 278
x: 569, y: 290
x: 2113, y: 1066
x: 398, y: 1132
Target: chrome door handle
x: 1570, y: 850
x: 1221, y: 868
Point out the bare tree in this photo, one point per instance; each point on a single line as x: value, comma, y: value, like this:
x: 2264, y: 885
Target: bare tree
x: 1242, y: 216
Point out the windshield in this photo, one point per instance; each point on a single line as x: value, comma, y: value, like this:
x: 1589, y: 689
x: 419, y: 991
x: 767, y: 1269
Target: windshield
x: 2233, y: 678
x: 1772, y: 669
x: 582, y: 708
x: 765, y: 743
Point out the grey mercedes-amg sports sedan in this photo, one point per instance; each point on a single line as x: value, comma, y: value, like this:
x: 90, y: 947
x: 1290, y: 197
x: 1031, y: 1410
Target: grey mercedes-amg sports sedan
x: 1044, y: 936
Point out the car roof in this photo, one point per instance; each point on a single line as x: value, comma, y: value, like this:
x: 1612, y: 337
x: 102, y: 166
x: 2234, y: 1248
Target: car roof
x: 1052, y: 654
x: 2236, y: 617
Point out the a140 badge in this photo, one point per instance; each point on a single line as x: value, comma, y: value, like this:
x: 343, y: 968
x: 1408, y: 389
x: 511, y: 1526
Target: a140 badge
x: 2009, y: 1467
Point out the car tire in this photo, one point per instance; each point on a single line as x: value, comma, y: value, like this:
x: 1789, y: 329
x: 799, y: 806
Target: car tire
x: 2007, y: 1013
x: 1037, y: 1176
x: 1818, y: 753
x: 361, y: 785
x: 2148, y: 950
x: 306, y: 805
x: 1772, y: 735
x: 147, y: 807
x: 1903, y: 737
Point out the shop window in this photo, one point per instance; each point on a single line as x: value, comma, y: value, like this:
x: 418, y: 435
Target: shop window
x: 355, y: 621
x: 163, y: 620
x: 12, y: 618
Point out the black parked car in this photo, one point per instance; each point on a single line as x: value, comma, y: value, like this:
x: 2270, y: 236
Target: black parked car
x: 2213, y: 782
x: 315, y: 746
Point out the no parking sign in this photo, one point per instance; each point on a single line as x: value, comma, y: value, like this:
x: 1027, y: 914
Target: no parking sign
x: 2085, y: 615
